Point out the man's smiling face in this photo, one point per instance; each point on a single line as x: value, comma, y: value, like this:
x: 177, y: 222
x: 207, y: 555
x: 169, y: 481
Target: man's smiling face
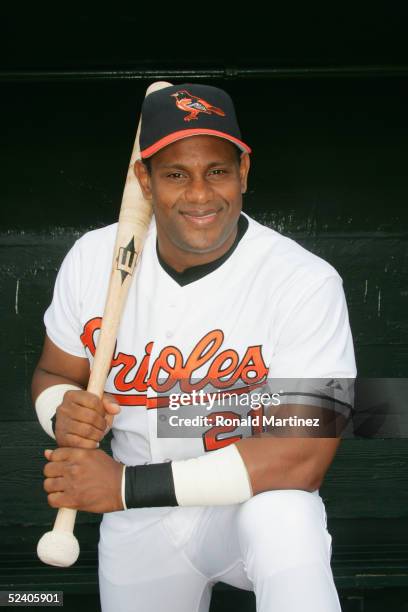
x: 196, y: 186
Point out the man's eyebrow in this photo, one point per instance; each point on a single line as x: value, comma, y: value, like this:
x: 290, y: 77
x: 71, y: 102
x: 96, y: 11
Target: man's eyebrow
x: 224, y: 162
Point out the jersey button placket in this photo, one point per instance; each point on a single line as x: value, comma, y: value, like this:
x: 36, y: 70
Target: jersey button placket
x: 172, y: 314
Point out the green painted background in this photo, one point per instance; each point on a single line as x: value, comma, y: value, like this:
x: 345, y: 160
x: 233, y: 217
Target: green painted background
x: 329, y: 169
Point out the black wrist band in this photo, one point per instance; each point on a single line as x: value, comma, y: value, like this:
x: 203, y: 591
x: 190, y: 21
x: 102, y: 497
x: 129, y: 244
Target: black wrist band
x: 149, y: 486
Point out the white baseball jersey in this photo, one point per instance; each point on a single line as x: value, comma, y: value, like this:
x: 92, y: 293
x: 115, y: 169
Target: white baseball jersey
x: 272, y: 310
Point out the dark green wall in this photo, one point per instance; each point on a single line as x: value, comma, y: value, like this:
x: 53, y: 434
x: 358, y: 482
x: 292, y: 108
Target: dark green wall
x: 328, y: 169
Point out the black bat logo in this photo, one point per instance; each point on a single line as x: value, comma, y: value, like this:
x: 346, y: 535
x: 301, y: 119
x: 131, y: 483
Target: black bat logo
x: 126, y: 260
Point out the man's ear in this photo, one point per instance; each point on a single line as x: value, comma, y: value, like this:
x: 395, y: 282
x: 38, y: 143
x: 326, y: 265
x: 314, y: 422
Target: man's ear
x: 143, y: 177
x: 243, y: 171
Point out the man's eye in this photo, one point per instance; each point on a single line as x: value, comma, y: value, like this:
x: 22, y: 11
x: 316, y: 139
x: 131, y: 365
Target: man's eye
x: 175, y: 175
x: 218, y: 171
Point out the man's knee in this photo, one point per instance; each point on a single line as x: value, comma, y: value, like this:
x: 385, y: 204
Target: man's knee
x: 283, y: 528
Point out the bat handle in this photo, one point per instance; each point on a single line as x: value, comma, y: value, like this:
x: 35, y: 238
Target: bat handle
x: 65, y: 520
x: 60, y: 547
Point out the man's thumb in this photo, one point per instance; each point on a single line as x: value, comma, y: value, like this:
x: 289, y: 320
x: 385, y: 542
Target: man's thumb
x: 111, y: 404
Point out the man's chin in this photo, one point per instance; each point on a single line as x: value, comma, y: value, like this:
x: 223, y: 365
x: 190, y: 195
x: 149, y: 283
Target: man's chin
x: 200, y: 249
x: 202, y: 241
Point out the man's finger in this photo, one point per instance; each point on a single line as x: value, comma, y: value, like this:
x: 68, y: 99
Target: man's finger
x: 53, y: 485
x: 85, y: 430
x: 86, y: 399
x: 74, y: 441
x: 59, y: 500
x: 62, y: 454
x: 53, y: 470
x: 81, y: 414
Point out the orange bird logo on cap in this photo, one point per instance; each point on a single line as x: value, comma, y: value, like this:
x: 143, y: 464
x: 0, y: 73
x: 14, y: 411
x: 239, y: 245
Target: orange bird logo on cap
x: 194, y: 105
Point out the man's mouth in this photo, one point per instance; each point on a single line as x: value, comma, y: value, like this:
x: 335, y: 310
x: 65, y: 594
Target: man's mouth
x: 200, y: 217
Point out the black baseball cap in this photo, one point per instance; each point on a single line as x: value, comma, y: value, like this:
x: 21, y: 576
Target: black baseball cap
x: 190, y: 109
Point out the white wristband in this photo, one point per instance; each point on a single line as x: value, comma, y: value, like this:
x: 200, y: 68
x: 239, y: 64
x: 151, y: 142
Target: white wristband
x: 47, y: 403
x: 219, y: 478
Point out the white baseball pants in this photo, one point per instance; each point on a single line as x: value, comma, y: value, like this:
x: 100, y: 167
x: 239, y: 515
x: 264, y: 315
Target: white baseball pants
x: 276, y: 543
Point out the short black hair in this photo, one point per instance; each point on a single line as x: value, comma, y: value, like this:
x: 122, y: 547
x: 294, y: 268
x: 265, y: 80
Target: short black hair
x: 148, y: 161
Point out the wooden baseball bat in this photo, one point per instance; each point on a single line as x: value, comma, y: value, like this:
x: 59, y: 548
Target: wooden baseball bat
x: 60, y: 547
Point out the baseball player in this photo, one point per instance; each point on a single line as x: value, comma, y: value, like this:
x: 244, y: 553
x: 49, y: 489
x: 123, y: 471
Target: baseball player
x: 221, y: 307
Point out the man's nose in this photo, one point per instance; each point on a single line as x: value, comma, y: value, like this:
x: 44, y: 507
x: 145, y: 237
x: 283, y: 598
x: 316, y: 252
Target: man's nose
x: 199, y: 191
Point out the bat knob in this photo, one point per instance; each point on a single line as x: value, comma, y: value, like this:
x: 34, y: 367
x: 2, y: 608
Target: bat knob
x: 59, y: 548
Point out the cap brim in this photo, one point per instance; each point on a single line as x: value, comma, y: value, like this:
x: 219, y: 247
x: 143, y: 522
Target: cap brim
x: 163, y: 142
